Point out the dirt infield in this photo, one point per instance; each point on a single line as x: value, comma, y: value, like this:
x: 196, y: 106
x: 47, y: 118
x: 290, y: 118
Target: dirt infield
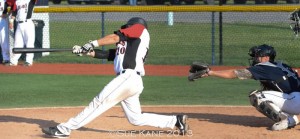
x: 98, y: 69
x: 206, y: 122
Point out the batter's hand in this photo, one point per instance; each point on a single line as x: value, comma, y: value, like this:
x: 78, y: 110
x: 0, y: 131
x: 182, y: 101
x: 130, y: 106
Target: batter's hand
x: 88, y: 47
x: 77, y: 50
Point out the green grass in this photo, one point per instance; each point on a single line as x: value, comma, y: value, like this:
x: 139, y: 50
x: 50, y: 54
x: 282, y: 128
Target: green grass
x: 177, y: 45
x: 183, y: 42
x: 33, y: 90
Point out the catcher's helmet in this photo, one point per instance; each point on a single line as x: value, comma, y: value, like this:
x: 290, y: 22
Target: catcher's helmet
x: 135, y: 20
x: 261, y: 51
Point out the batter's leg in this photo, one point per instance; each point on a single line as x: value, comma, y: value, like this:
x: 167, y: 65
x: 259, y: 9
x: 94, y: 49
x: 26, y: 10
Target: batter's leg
x: 114, y: 92
x: 132, y: 109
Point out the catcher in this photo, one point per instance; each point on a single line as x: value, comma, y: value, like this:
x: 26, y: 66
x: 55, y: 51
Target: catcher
x: 279, y: 97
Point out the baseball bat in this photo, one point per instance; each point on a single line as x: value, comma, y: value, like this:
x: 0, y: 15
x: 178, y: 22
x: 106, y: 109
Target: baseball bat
x: 38, y: 50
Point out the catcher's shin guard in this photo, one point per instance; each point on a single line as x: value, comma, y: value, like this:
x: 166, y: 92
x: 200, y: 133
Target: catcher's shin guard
x: 272, y: 111
x: 266, y: 107
x: 255, y: 98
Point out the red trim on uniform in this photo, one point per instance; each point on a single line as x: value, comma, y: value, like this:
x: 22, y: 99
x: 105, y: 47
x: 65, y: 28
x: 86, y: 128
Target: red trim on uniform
x: 134, y: 31
x: 10, y: 2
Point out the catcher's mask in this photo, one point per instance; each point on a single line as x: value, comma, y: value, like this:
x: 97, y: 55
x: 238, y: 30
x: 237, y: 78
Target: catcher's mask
x: 294, y: 16
x: 260, y: 51
x: 135, y: 20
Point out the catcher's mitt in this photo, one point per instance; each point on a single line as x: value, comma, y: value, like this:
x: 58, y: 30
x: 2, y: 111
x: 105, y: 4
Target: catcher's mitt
x: 197, y: 70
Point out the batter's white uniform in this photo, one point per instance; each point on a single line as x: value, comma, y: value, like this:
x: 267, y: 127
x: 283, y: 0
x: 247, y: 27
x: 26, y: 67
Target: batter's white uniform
x: 4, y: 40
x: 25, y: 32
x: 126, y: 87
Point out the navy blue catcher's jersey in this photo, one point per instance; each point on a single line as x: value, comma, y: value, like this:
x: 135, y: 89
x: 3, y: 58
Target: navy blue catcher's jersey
x: 276, y: 76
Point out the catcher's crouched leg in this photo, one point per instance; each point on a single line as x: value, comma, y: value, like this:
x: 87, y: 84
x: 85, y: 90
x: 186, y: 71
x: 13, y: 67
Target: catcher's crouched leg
x: 266, y: 107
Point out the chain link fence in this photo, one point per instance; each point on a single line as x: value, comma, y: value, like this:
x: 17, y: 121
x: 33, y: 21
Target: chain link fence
x: 178, y: 38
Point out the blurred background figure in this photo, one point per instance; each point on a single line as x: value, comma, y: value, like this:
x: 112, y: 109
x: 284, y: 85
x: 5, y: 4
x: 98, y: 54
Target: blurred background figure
x: 132, y: 2
x: 4, y: 41
x: 25, y: 32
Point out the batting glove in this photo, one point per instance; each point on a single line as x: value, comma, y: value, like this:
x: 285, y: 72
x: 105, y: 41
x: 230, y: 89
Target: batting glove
x: 77, y: 50
x: 87, y: 47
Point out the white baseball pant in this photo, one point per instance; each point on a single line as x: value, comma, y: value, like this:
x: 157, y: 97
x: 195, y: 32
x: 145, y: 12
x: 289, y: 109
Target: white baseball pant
x: 24, y: 35
x: 289, y: 103
x: 125, y: 88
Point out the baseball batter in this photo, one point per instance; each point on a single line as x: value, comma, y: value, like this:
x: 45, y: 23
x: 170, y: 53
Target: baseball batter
x: 279, y: 98
x: 25, y: 32
x: 4, y: 39
x: 132, y: 45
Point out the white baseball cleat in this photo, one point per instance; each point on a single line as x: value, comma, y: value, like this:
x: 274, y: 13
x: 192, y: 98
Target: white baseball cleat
x: 181, y: 124
x: 287, y: 123
x: 12, y: 64
x: 54, y: 132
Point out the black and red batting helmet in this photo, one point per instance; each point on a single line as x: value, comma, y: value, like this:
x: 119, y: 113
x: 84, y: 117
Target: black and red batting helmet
x: 135, y: 20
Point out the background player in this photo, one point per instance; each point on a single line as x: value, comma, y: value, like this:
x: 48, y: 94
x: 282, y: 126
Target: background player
x: 25, y: 32
x: 279, y: 98
x: 132, y: 45
x: 4, y: 39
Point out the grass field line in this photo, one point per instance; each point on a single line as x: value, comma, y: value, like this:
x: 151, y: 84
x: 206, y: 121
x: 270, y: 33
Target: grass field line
x: 145, y: 106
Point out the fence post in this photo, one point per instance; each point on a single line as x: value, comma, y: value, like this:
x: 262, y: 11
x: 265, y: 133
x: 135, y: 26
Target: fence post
x: 170, y: 18
x: 103, y: 32
x: 220, y: 35
x: 213, y: 38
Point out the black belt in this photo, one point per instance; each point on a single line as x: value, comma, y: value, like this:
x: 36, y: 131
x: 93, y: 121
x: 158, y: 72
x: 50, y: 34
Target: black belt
x: 123, y: 71
x: 22, y: 21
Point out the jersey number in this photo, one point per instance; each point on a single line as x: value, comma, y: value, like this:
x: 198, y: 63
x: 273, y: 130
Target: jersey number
x: 121, y: 50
